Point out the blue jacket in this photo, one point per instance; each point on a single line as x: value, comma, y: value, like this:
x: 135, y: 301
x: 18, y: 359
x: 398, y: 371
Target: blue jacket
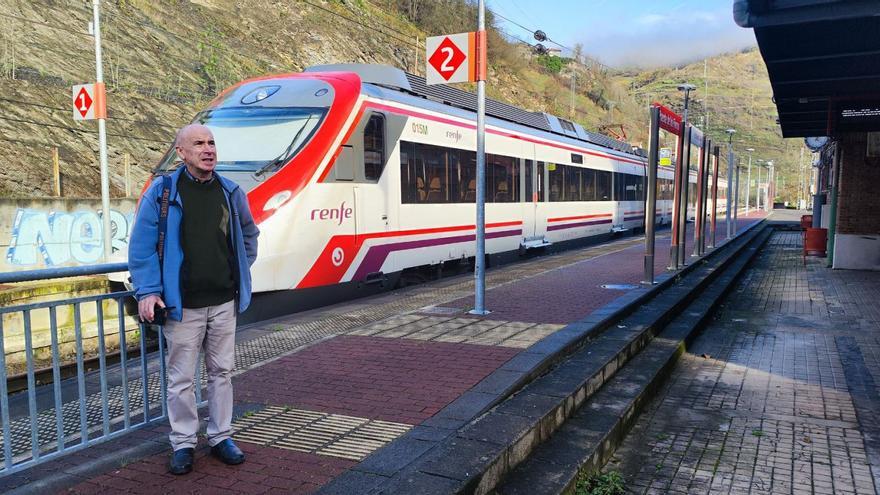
x: 143, y: 258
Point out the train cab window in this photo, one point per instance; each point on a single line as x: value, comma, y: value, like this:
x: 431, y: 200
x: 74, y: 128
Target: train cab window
x: 374, y: 147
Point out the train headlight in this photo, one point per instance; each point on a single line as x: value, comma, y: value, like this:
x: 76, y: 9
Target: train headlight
x: 259, y: 94
x: 277, y: 200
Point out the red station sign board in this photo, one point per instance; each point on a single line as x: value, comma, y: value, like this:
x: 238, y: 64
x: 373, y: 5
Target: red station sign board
x: 669, y: 120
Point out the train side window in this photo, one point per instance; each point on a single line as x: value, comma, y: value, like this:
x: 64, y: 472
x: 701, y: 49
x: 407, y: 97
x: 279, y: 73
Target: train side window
x: 588, y: 191
x: 374, y: 147
x: 603, y: 185
x: 527, y: 181
x: 556, y: 181
x: 468, y: 176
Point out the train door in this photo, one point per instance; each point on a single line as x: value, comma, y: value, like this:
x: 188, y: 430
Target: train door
x: 618, y: 186
x: 532, y: 187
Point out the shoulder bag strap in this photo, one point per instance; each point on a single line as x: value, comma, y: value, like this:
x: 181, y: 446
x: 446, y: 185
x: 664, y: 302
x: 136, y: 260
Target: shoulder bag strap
x: 163, y: 217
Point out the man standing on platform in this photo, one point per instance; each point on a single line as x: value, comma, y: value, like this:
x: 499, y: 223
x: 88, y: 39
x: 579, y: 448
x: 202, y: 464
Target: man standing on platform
x: 191, y: 248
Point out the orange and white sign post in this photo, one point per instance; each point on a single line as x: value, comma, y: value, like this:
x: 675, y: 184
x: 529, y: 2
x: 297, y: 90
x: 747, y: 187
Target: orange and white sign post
x: 462, y: 58
x: 89, y: 103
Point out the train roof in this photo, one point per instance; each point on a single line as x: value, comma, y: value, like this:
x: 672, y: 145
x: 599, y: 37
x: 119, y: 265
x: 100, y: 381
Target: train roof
x: 396, y: 79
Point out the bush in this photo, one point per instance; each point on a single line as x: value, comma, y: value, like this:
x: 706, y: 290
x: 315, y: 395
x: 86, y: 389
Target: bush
x: 610, y: 483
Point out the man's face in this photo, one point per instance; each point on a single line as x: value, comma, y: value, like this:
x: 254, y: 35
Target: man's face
x: 197, y: 151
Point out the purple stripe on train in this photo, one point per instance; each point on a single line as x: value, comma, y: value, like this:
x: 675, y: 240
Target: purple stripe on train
x: 579, y: 224
x: 377, y: 255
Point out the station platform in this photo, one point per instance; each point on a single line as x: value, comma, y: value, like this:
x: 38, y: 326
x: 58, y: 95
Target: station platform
x: 777, y: 395
x: 318, y: 392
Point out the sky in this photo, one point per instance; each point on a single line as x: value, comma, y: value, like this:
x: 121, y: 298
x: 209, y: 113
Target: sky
x: 626, y: 33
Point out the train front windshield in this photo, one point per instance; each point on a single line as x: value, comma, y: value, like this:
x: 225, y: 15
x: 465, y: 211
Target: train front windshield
x: 255, y: 139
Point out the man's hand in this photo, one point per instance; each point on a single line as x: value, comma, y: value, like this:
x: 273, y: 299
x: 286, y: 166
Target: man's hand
x: 146, y: 305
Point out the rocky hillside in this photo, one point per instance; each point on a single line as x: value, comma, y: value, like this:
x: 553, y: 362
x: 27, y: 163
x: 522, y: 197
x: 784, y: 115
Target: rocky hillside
x: 164, y: 59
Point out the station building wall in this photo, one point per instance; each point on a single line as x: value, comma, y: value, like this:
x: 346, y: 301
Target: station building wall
x: 857, y: 240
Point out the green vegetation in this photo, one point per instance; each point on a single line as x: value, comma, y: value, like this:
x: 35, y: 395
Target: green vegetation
x: 610, y: 483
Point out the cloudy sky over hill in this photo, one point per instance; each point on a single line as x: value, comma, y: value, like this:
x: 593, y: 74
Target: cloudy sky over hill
x: 622, y: 33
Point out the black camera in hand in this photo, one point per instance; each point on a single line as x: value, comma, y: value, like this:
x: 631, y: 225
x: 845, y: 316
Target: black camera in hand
x: 160, y: 315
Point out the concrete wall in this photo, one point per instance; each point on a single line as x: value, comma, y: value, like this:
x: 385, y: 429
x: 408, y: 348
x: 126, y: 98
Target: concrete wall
x: 857, y: 241
x: 42, y: 233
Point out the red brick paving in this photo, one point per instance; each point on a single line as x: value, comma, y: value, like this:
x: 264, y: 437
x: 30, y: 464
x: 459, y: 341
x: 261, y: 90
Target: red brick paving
x: 401, y: 380
x: 266, y: 470
x: 572, y: 292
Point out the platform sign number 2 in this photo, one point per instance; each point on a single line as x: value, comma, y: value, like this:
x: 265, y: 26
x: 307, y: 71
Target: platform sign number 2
x: 452, y: 58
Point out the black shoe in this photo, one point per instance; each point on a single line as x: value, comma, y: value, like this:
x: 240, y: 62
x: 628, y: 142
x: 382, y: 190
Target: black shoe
x: 181, y: 461
x: 228, y: 452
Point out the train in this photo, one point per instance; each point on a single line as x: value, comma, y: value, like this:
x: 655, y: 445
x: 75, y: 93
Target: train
x: 361, y: 177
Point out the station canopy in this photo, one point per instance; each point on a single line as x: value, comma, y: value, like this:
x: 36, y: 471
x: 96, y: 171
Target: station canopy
x: 823, y: 58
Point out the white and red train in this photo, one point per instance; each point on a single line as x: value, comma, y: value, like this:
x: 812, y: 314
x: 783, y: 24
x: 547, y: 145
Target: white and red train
x: 358, y: 174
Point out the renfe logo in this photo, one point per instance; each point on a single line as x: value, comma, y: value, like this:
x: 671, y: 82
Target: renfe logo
x: 338, y: 214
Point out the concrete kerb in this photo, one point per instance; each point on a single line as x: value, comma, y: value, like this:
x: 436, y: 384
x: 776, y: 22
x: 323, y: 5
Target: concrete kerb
x: 531, y: 364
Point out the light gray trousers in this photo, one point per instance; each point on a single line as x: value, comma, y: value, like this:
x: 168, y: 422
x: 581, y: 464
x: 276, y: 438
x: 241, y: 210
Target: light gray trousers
x: 214, y: 329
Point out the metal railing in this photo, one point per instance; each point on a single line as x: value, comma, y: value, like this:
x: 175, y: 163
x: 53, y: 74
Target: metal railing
x: 66, y: 405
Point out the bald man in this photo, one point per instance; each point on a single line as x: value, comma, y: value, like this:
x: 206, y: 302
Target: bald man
x: 201, y: 282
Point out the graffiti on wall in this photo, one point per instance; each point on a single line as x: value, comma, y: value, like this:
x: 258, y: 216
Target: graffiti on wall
x: 54, y: 238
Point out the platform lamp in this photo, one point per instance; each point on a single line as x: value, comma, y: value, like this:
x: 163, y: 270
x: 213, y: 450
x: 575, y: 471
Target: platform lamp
x: 730, y: 165
x: 771, y: 187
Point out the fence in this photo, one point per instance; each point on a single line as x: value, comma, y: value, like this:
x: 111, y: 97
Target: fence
x: 56, y: 415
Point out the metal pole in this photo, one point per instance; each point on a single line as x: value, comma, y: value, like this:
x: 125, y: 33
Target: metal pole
x: 758, y: 187
x: 832, y: 213
x: 685, y: 185
x: 729, y: 185
x: 679, y: 178
x: 749, y: 185
x: 704, y: 204
x: 676, y: 202
x: 716, y: 155
x: 771, y: 191
x: 735, y: 201
x: 651, y: 201
x: 102, y: 134
x: 698, y: 210
x: 480, y: 259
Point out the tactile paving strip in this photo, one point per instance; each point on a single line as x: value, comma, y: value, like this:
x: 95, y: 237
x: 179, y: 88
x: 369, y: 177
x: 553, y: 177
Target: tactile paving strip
x: 312, y: 432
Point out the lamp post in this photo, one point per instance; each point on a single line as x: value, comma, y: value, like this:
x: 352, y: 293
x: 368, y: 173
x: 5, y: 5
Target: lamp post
x: 771, y: 185
x: 730, y: 166
x: 749, y: 181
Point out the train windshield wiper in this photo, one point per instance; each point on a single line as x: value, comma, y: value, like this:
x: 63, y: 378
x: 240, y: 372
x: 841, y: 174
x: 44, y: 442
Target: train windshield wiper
x: 273, y: 164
